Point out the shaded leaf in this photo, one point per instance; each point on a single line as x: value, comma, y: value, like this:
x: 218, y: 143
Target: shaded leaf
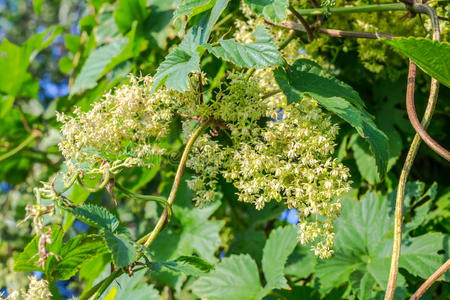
x: 121, y: 248
x: 235, y: 277
x: 129, y: 11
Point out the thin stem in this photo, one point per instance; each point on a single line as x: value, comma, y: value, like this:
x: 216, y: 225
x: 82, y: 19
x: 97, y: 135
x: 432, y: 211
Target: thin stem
x: 286, y: 42
x: 269, y: 94
x: 352, y: 9
x: 159, y: 199
x: 334, y: 32
x: 100, y: 287
x: 176, y: 183
x: 106, y: 177
x: 34, y: 134
x: 393, y: 272
x: 410, y: 107
x: 429, y: 282
x: 305, y: 24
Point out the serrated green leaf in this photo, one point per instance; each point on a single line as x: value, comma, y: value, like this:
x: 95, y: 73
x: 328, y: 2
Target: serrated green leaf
x: 26, y: 260
x: 279, y: 246
x: 96, y: 63
x: 431, y: 56
x: 65, y: 260
x: 74, y: 253
x: 274, y: 10
x: 306, y: 78
x: 259, y: 54
x: 363, y: 247
x: 174, y: 70
x: 96, y: 216
x: 197, y: 262
x: 132, y: 287
x: 178, y: 64
x: 419, y: 254
x: 121, y: 248
x: 235, y: 277
x: 199, y: 234
x: 192, y: 7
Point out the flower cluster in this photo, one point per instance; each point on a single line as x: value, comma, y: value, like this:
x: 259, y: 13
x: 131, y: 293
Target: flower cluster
x: 37, y: 290
x: 124, y: 125
x: 286, y: 159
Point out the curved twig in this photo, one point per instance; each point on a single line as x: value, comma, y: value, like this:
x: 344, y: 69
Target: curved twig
x: 410, y: 107
x: 106, y: 177
x: 429, y: 282
x: 159, y: 199
x: 34, y: 134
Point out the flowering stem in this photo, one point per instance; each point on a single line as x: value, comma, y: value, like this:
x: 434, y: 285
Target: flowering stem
x: 390, y: 289
x: 34, y: 134
x: 429, y: 282
x: 149, y: 238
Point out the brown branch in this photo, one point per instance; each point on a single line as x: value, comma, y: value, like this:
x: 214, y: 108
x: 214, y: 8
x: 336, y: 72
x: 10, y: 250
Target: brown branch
x: 305, y: 24
x: 334, y: 32
x: 429, y: 282
x: 411, y: 109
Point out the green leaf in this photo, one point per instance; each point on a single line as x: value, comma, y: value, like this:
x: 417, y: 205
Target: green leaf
x: 197, y: 262
x: 235, y: 277
x: 188, y: 265
x: 96, y: 216
x: 363, y: 247
x: 129, y: 11
x: 199, y: 234
x: 259, y: 54
x: 306, y: 78
x: 66, y: 258
x: 178, y: 64
x: 121, y: 248
x: 26, y: 260
x: 274, y: 10
x: 74, y: 253
x: 366, y: 163
x: 279, y: 246
x: 431, y: 56
x: 93, y: 68
x: 192, y: 7
x: 65, y: 65
x: 37, y: 6
x: 174, y: 70
x: 132, y: 287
